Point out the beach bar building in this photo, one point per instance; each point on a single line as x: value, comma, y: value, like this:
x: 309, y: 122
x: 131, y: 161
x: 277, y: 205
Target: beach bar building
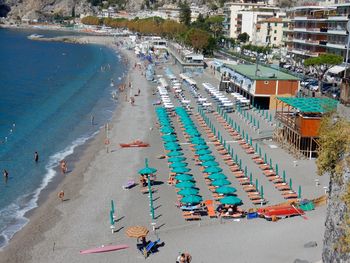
x: 300, y: 120
x: 260, y: 84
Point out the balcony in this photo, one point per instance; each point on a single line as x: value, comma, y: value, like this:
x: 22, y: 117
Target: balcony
x: 338, y: 18
x: 335, y: 31
x: 300, y: 18
x: 336, y: 45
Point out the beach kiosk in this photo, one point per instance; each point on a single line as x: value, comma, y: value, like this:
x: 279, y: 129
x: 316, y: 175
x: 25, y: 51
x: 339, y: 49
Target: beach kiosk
x: 300, y: 120
x: 259, y: 84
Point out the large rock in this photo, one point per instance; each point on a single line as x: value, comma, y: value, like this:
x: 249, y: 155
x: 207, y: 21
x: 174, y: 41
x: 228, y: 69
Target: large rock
x: 336, y: 211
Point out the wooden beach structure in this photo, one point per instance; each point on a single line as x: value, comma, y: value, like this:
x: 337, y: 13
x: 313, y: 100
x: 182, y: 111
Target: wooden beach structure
x: 300, y: 120
x: 261, y: 84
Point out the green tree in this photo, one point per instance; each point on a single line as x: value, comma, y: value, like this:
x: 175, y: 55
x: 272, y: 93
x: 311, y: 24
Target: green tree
x: 243, y: 37
x: 185, y: 13
x: 323, y: 62
x: 197, y: 38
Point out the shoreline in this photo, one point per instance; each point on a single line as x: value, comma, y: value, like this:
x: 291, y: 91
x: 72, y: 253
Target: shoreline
x: 80, y: 159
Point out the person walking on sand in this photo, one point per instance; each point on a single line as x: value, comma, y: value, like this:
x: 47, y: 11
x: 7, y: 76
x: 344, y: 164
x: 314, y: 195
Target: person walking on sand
x: 139, y: 92
x: 132, y: 101
x: 36, y: 157
x: 61, y: 195
x: 64, y: 167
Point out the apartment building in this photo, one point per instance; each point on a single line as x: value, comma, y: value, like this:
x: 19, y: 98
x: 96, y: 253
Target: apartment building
x: 314, y: 30
x: 269, y: 32
x: 248, y: 17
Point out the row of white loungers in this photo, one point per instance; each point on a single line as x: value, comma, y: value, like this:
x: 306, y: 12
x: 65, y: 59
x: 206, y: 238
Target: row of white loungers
x: 165, y: 99
x: 222, y: 101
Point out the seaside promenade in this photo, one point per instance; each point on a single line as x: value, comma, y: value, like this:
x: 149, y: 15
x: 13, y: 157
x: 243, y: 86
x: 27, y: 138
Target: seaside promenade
x: 59, y: 230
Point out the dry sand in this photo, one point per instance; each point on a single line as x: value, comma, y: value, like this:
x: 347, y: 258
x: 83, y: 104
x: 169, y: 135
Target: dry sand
x: 59, y: 230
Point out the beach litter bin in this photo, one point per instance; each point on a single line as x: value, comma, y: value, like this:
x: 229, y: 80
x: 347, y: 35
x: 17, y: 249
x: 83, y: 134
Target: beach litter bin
x: 252, y: 215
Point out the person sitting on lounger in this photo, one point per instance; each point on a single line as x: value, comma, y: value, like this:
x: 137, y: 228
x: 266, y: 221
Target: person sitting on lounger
x: 229, y: 211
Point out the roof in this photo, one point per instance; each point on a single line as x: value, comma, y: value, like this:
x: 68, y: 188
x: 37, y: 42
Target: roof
x: 273, y: 20
x: 310, y: 105
x: 264, y: 73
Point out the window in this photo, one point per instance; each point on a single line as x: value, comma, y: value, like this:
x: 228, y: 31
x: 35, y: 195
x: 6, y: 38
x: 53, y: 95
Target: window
x: 275, y: 38
x: 266, y: 82
x: 275, y: 24
x: 275, y: 31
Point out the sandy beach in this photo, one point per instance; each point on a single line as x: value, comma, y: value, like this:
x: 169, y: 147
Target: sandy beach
x: 57, y: 230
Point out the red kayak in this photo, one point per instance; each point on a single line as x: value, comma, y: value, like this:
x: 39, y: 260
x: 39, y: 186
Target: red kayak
x: 103, y: 249
x: 134, y: 144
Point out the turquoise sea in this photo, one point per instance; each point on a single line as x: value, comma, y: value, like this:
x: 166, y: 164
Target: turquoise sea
x: 48, y: 92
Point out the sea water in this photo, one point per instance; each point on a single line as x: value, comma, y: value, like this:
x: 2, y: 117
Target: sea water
x: 48, y: 93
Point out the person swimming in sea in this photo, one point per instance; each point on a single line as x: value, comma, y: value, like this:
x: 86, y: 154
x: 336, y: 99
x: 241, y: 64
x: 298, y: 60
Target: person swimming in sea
x: 6, y: 175
x: 36, y: 157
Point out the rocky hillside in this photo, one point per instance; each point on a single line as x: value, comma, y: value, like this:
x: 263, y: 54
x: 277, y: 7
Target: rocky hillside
x: 32, y: 9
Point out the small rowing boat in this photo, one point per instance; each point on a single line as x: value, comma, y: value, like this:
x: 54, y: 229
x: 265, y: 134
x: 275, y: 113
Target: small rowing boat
x: 136, y: 143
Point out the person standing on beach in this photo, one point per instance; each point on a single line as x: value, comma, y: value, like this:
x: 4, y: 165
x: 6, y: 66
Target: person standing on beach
x: 64, y: 167
x: 36, y: 157
x: 92, y: 118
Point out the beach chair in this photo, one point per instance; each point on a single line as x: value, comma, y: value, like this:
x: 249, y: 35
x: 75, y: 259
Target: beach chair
x: 192, y: 217
x: 129, y: 184
x: 211, y: 211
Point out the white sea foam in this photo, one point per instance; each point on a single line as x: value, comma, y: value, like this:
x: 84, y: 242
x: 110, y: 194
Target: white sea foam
x: 14, y: 213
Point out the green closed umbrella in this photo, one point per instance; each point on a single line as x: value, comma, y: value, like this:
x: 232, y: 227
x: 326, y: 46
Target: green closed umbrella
x: 230, y: 200
x: 225, y: 190
x: 188, y: 191
x: 206, y: 157
x: 201, y: 147
x: 284, y: 176
x: 175, y: 153
x: 210, y: 163
x: 167, y: 129
x: 217, y: 176
x: 299, y: 192
x: 170, y: 139
x: 169, y: 136
x: 212, y: 169
x: 276, y: 169
x: 186, y: 184
x: 178, y: 164
x: 220, y: 182
x: 147, y: 170
x: 184, y: 177
x: 191, y: 199
x: 203, y: 152
x: 176, y: 159
x: 180, y: 170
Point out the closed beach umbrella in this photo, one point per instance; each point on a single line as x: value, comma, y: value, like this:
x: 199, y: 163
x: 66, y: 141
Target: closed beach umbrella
x: 191, y: 199
x: 112, y: 206
x: 170, y: 139
x: 167, y: 129
x: 203, y: 152
x: 221, y: 182
x: 188, y: 191
x: 213, y: 169
x: 299, y: 192
x: 176, y: 159
x: 217, y: 176
x: 147, y: 170
x: 180, y: 170
x: 210, y: 163
x: 184, y: 177
x: 201, y: 147
x: 225, y: 190
x: 172, y: 144
x: 206, y: 157
x: 284, y: 176
x: 175, y: 153
x: 169, y: 136
x: 185, y: 184
x: 136, y: 231
x: 230, y: 200
x: 178, y: 164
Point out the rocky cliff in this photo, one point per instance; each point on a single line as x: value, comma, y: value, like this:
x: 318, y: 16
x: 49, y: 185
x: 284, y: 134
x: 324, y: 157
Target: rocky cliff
x: 33, y: 9
x: 335, y: 220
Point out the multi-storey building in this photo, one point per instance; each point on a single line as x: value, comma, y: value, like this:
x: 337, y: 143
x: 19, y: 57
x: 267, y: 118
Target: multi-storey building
x: 269, y: 32
x: 245, y: 17
x: 314, y: 30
